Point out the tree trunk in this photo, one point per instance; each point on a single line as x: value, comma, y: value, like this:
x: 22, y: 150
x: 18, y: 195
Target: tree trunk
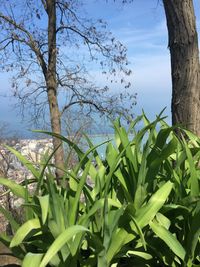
x: 183, y: 44
x: 52, y: 88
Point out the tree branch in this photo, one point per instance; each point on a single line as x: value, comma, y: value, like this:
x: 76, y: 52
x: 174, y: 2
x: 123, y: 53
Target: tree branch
x: 44, y: 5
x: 82, y: 102
x: 30, y: 43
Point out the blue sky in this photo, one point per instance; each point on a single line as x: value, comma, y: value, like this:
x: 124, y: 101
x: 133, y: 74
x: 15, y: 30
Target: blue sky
x: 141, y: 26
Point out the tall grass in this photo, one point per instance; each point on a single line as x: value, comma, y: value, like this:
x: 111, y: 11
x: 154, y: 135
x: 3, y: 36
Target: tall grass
x: 140, y: 209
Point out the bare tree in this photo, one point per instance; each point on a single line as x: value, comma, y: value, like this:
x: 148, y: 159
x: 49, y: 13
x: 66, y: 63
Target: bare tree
x: 39, y: 40
x: 185, y: 69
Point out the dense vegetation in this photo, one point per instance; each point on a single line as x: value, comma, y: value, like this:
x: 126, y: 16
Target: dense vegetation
x: 142, y: 208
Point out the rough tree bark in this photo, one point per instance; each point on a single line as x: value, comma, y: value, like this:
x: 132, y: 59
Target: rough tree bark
x: 52, y: 88
x: 185, y: 70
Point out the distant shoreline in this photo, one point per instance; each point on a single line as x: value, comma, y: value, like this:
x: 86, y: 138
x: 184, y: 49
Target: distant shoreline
x: 71, y: 136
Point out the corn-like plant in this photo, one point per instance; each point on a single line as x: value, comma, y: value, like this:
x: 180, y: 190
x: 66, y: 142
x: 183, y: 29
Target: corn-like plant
x: 139, y: 208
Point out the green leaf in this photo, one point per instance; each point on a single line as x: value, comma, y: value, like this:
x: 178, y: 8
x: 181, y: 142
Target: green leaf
x: 145, y: 214
x: 17, y: 252
x: 139, y: 231
x: 44, y: 204
x: 64, y: 139
x: 194, y: 180
x: 97, y: 205
x: 119, y: 239
x: 140, y: 195
x: 164, y: 153
x: 111, y: 154
x: 32, y: 260
x: 76, y: 200
x: 193, y: 236
x: 112, y: 170
x: 163, y: 220
x: 95, y: 152
x: 60, y: 241
x: 124, y: 141
x: 41, y: 176
x: 53, y: 227
x: 85, y: 158
x: 140, y: 254
x: 25, y: 162
x: 10, y: 218
x: 27, y: 228
x: 5, y: 239
x: 168, y: 238
x: 57, y: 208
x: 16, y: 189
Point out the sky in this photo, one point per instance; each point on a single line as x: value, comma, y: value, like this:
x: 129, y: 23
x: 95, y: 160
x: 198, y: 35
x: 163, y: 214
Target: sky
x: 141, y: 27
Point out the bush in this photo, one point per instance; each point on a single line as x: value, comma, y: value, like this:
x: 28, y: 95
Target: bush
x: 142, y: 209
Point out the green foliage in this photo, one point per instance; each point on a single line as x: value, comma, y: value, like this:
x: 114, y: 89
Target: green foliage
x: 141, y: 207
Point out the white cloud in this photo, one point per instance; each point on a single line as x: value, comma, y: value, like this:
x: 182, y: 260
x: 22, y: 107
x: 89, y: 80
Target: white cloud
x: 151, y: 71
x: 152, y: 82
x: 143, y: 39
x: 150, y: 62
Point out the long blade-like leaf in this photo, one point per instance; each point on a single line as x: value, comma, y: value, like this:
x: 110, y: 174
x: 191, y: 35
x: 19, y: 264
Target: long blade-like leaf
x: 25, y: 162
x: 62, y: 239
x: 10, y: 218
x: 193, y: 236
x: 168, y: 238
x: 76, y: 200
x: 194, y: 179
x: 44, y: 204
x: 147, y: 213
x: 32, y: 260
x: 16, y: 189
x: 24, y: 230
